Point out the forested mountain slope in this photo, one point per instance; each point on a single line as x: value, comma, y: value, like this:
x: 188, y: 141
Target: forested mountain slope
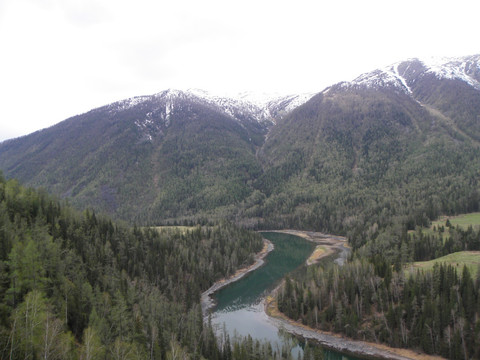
x: 397, y: 143
x: 363, y: 153
x: 167, y: 155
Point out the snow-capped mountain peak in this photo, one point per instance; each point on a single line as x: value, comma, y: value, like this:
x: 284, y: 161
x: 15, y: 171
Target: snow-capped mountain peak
x: 388, y: 76
x: 261, y: 107
x: 464, y: 68
x: 154, y: 113
x: 400, y: 75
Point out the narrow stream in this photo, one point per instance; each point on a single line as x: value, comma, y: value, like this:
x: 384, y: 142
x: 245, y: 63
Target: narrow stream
x: 239, y: 305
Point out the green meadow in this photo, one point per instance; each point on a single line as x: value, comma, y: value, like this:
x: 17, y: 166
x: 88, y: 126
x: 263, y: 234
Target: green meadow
x: 463, y: 221
x: 469, y: 258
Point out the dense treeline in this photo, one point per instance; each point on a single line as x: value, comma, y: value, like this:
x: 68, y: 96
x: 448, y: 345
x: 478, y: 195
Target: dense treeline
x: 358, y: 162
x: 80, y: 286
x: 427, y: 246
x: 372, y: 298
x: 332, y: 196
x: 399, y: 246
x: 437, y: 311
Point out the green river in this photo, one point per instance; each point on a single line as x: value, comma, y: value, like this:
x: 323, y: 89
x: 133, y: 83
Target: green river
x: 239, y: 306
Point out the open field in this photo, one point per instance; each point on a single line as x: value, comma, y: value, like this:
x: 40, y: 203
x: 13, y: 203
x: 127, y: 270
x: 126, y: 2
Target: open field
x: 464, y: 221
x: 469, y: 258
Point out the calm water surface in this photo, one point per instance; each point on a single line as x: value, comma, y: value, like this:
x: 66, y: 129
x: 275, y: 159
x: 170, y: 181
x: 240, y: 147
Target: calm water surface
x: 239, y: 308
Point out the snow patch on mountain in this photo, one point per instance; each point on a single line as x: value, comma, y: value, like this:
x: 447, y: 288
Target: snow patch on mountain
x: 289, y: 102
x: 236, y: 107
x: 386, y: 77
x: 401, y: 78
x: 455, y: 68
x: 261, y: 108
x: 260, y: 99
x: 465, y: 69
x: 127, y: 103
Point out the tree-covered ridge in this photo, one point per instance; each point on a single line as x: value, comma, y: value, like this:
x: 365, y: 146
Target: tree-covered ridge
x: 81, y: 286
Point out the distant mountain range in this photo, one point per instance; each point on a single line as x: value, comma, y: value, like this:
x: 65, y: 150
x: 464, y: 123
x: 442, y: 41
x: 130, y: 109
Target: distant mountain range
x: 404, y: 139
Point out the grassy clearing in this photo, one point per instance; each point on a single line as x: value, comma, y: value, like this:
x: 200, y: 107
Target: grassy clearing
x: 469, y: 258
x: 463, y: 221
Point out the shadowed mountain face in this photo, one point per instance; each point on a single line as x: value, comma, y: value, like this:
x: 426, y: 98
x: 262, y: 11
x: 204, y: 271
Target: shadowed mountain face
x: 400, y: 141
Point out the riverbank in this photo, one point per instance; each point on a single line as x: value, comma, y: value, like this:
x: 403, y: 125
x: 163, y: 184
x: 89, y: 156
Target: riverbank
x: 330, y: 340
x: 206, y: 298
x: 326, y: 245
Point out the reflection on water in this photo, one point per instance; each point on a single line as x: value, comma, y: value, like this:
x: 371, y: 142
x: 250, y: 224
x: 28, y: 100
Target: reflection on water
x: 239, y: 309
x: 289, y: 253
x: 251, y: 320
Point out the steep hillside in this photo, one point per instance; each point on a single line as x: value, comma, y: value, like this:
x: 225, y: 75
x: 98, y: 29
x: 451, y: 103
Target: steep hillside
x: 173, y: 151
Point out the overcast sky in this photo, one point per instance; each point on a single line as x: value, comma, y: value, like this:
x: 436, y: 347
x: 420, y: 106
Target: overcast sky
x: 59, y: 58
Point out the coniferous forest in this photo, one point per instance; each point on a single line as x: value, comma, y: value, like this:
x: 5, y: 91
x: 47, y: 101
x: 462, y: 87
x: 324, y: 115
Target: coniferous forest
x: 380, y: 298
x: 79, y: 286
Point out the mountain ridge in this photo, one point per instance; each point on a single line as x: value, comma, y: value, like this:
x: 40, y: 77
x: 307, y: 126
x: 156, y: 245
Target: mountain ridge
x: 179, y: 155
x: 465, y: 68
x: 264, y: 107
